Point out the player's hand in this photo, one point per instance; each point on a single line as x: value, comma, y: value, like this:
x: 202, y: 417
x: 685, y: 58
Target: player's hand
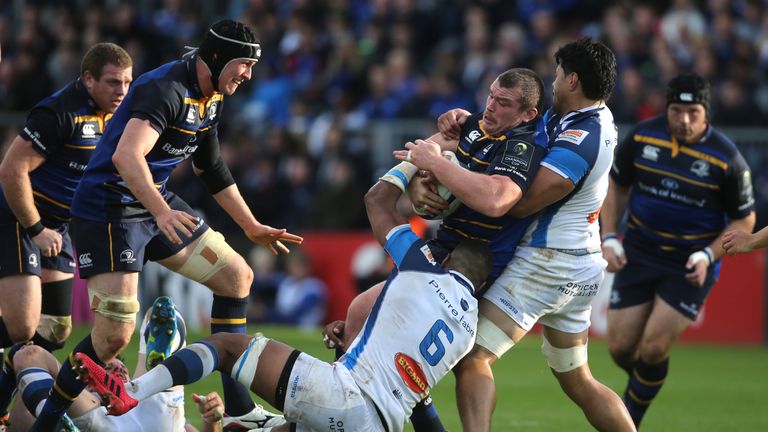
x: 210, y: 406
x: 613, y: 253
x: 422, y: 192
x: 422, y: 153
x: 48, y: 241
x: 333, y: 334
x: 272, y: 238
x: 737, y: 242
x: 449, y: 124
x: 698, y: 263
x: 176, y: 220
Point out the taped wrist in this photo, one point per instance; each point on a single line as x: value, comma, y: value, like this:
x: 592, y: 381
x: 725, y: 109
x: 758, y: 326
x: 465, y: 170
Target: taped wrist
x: 35, y: 229
x: 614, y: 244
x: 400, y: 175
x: 217, y: 177
x: 704, y: 254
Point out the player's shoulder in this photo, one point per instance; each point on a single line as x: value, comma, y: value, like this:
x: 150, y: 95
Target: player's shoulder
x: 71, y: 98
x: 169, y: 80
x: 586, y: 127
x: 718, y: 140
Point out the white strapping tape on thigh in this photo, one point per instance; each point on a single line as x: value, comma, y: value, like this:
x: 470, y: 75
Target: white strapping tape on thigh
x: 564, y: 359
x: 492, y: 338
x: 244, y: 368
x: 211, y: 254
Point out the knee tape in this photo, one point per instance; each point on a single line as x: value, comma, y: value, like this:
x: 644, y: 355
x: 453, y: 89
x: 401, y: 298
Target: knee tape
x: 54, y: 328
x: 114, y: 307
x: 492, y: 338
x: 564, y: 359
x: 244, y: 368
x: 211, y: 254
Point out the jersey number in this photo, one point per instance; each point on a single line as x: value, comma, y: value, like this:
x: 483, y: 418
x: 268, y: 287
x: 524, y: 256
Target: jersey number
x: 434, y: 355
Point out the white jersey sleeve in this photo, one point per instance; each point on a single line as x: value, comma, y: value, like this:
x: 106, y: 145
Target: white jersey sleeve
x: 581, y: 151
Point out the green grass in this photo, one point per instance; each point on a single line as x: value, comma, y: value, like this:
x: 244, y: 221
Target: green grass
x: 709, y: 388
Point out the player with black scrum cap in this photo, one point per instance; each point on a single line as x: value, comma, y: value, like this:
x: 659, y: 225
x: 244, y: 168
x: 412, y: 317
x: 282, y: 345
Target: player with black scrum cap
x: 684, y: 183
x: 123, y: 214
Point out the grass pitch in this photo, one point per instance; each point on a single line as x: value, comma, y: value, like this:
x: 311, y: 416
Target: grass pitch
x: 710, y: 388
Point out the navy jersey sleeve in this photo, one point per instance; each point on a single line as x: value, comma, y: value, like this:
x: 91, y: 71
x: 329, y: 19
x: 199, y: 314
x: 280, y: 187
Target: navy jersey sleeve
x: 150, y: 101
x: 519, y: 159
x: 623, y: 169
x: 573, y: 152
x: 737, y: 191
x: 409, y: 252
x: 47, y: 130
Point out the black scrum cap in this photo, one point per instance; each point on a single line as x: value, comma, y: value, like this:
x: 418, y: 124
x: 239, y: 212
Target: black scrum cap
x: 227, y: 41
x: 688, y: 88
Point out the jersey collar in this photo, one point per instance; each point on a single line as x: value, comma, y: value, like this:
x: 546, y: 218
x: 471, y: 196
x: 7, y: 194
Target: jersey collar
x: 80, y: 87
x: 194, y: 86
x: 460, y: 278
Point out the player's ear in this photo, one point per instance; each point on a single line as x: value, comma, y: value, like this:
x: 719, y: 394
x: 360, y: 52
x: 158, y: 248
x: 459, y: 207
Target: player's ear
x: 88, y: 79
x: 530, y: 114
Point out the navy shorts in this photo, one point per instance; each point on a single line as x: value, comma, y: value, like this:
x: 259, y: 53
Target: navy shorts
x: 640, y: 280
x: 20, y: 255
x: 105, y: 247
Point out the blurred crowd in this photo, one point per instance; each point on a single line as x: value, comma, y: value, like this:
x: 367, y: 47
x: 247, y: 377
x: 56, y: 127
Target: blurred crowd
x: 295, y: 136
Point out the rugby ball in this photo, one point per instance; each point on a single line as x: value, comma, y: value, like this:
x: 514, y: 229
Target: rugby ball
x: 444, y: 193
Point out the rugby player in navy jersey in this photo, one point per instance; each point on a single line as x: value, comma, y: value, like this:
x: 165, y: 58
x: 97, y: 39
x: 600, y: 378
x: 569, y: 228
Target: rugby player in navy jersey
x: 683, y: 183
x: 39, y: 175
x: 500, y: 148
x: 123, y: 215
x: 424, y: 321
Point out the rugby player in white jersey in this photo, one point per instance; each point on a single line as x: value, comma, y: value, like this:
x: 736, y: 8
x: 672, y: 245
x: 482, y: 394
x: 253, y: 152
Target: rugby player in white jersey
x: 422, y: 324
x: 558, y: 267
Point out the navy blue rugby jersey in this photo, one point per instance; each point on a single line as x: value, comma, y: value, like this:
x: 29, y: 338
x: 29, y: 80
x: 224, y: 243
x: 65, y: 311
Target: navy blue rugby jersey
x: 64, y: 128
x: 515, y: 154
x: 170, y: 98
x: 682, y: 196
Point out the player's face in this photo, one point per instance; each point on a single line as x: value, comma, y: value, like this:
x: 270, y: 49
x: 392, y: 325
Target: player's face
x: 109, y: 90
x: 687, y: 122
x: 503, y: 110
x: 234, y: 74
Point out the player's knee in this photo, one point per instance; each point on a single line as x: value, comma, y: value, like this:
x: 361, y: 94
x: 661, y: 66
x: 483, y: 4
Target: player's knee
x: 26, y: 357
x: 210, y: 255
x: 54, y: 328
x: 20, y: 331
x: 117, y: 308
x: 244, y: 368
x: 115, y: 342
x: 563, y: 360
x: 655, y: 351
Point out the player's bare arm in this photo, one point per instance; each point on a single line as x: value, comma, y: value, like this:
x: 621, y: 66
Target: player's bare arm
x: 548, y: 188
x: 137, y: 140
x: 20, y: 160
x: 500, y: 192
x: 232, y: 202
x: 614, y: 205
x: 380, y: 203
x: 737, y: 241
x: 449, y: 123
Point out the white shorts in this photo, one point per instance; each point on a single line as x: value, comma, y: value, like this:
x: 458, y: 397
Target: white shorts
x: 163, y: 412
x: 324, y: 397
x: 550, y: 287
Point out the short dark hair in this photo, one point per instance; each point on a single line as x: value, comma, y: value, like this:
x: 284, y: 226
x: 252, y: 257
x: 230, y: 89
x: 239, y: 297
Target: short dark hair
x: 473, y: 259
x: 688, y: 88
x: 530, y: 83
x: 102, y: 54
x: 593, y: 62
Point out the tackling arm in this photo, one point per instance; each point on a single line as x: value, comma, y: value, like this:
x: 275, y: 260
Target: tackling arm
x: 380, y: 203
x: 614, y: 206
x: 548, y: 188
x: 20, y: 160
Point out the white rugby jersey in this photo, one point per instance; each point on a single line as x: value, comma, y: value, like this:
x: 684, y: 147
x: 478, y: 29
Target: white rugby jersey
x: 582, y: 144
x: 422, y: 324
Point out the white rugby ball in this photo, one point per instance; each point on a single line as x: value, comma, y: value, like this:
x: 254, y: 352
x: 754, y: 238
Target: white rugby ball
x: 444, y: 193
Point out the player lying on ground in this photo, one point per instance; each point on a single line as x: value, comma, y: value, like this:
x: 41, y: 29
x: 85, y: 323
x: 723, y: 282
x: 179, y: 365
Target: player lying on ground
x: 424, y: 321
x: 162, y: 333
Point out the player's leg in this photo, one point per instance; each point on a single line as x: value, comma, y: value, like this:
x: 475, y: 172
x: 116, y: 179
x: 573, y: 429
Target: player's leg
x: 475, y: 387
x: 566, y: 354
x: 625, y: 331
x: 649, y: 371
x: 20, y: 303
x: 358, y: 312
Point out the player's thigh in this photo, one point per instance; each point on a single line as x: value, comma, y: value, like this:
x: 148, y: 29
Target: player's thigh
x: 665, y: 325
x: 20, y: 297
x: 626, y: 326
x: 358, y: 311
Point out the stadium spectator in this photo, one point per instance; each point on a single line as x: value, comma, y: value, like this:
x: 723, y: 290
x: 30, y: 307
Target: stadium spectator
x: 38, y: 176
x: 365, y: 390
x: 683, y: 183
x: 557, y: 268
x: 123, y: 213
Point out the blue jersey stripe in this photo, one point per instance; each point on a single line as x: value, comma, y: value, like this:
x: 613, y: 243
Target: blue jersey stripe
x: 350, y: 358
x: 568, y: 162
